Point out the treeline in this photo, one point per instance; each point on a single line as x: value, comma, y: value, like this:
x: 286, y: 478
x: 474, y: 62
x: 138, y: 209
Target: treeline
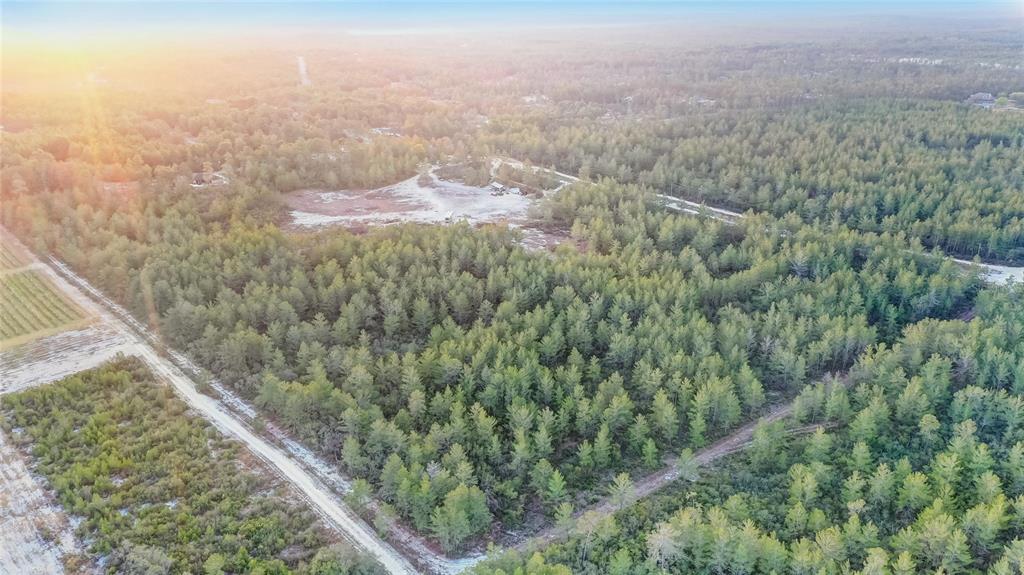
x: 916, y: 467
x: 160, y: 491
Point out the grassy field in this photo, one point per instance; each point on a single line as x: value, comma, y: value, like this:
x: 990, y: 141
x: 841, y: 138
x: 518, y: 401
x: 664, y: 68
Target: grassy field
x: 29, y: 307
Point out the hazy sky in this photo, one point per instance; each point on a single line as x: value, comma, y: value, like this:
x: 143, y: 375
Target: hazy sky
x: 51, y: 17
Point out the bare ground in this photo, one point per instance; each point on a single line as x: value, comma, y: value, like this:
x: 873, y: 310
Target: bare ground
x: 57, y: 356
x: 36, y: 537
x: 440, y: 201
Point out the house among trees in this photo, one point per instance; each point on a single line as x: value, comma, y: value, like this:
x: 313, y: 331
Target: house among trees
x: 982, y: 99
x: 207, y: 178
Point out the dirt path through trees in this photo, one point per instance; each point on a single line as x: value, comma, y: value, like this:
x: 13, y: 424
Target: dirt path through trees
x: 674, y: 469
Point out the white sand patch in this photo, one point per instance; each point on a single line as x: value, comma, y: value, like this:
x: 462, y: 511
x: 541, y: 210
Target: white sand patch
x: 55, y: 357
x: 693, y: 208
x: 35, y: 535
x: 311, y: 220
x: 999, y: 274
x: 328, y: 197
x: 407, y: 201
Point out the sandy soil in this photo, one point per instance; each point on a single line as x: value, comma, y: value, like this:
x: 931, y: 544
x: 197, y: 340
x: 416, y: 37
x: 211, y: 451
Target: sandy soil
x: 440, y: 202
x: 35, y: 535
x: 999, y: 274
x: 538, y: 240
x: 695, y: 209
x: 58, y: 356
x: 565, y: 178
x: 407, y: 201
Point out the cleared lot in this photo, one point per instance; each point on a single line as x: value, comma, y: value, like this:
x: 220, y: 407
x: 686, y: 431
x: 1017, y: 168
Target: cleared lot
x: 437, y: 201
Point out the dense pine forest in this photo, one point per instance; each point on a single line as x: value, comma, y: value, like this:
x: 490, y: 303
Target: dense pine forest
x: 479, y: 390
x: 447, y: 360
x: 916, y: 466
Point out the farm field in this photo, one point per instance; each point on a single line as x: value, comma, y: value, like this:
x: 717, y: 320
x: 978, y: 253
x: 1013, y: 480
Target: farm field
x: 29, y: 307
x: 9, y: 258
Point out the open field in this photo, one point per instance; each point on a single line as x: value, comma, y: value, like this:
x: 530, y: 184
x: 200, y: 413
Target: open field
x: 29, y: 307
x: 436, y: 201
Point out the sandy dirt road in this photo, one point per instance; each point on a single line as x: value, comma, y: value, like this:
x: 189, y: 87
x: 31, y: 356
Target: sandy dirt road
x: 312, y: 477
x: 670, y: 473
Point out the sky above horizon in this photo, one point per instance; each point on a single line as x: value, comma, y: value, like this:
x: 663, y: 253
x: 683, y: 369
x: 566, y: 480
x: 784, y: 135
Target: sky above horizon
x: 42, y: 15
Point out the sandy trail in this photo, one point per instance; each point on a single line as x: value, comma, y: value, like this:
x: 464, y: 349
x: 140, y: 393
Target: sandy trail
x: 645, y: 486
x: 517, y: 164
x: 137, y: 342
x: 354, y: 529
x: 695, y: 209
x: 993, y: 273
x: 740, y: 438
x: 998, y: 274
